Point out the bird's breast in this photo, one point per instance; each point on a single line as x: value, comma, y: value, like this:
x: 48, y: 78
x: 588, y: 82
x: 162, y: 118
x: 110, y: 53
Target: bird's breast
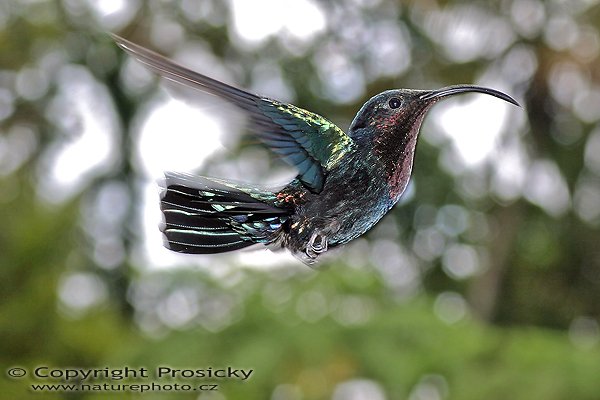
x: 354, y: 198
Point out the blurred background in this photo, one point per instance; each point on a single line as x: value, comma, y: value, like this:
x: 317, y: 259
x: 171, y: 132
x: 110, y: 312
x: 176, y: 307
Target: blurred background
x: 484, y: 282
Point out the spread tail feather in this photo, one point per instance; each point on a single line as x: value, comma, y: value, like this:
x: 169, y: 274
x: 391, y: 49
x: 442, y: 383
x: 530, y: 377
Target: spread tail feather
x: 205, y: 215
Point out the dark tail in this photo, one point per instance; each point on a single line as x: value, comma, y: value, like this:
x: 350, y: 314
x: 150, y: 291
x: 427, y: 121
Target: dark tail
x: 206, y: 216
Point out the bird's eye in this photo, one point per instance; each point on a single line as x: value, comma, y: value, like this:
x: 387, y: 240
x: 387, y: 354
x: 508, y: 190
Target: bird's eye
x: 394, y: 102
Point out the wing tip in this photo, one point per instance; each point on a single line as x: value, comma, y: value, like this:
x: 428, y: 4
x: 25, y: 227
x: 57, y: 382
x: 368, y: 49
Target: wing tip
x: 121, y: 42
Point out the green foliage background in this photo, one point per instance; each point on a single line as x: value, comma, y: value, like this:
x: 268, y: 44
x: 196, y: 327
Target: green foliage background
x: 523, y: 325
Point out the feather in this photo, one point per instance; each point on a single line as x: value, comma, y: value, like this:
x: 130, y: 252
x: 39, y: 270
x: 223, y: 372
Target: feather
x: 315, y: 140
x: 204, y: 215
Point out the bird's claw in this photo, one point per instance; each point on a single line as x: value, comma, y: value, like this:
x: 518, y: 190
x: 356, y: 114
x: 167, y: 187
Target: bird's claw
x: 316, y: 245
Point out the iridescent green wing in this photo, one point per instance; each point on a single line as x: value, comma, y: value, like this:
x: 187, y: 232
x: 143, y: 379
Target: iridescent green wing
x: 305, y: 140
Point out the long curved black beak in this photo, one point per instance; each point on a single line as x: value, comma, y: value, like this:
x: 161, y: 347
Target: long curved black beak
x: 457, y: 89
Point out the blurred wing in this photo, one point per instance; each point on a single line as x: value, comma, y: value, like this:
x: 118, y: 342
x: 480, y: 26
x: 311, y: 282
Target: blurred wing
x: 303, y: 139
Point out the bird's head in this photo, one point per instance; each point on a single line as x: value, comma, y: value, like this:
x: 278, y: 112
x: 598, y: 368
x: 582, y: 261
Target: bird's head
x: 388, y: 125
x: 397, y: 114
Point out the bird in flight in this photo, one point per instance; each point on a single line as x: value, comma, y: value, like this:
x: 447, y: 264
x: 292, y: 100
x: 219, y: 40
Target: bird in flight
x: 346, y: 182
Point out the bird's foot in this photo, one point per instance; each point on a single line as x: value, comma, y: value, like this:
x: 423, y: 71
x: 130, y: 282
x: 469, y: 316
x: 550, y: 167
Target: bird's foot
x: 316, y: 245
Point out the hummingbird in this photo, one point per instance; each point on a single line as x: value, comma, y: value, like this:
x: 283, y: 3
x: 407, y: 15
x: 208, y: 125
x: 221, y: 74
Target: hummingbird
x: 346, y: 182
